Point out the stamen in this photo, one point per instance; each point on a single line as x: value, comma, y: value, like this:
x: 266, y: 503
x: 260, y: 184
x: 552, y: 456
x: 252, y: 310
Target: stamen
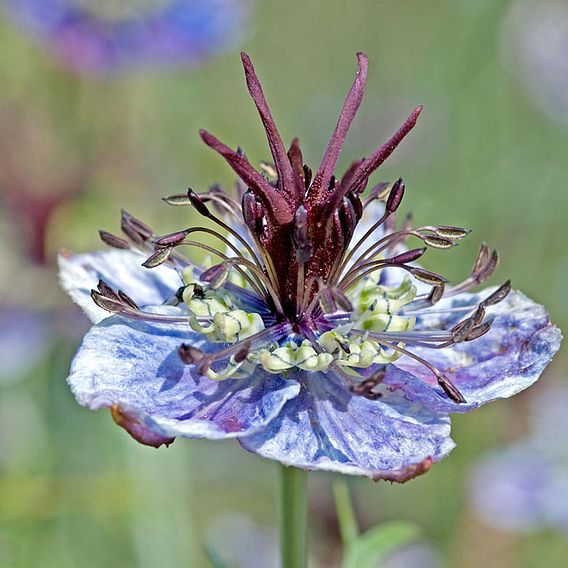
x: 447, y: 386
x: 203, y: 210
x: 262, y: 338
x: 113, y: 241
x: 215, y: 271
x: 485, y: 264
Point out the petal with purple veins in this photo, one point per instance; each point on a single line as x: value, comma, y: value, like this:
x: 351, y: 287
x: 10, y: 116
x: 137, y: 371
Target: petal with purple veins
x: 329, y: 428
x: 505, y: 361
x: 121, y: 269
x: 135, y: 366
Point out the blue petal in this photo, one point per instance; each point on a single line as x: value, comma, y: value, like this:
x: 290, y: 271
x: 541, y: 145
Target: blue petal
x: 328, y: 428
x: 135, y: 366
x: 505, y: 361
x: 122, y: 269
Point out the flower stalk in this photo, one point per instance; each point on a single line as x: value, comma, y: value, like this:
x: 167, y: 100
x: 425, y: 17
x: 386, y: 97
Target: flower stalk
x: 293, y: 513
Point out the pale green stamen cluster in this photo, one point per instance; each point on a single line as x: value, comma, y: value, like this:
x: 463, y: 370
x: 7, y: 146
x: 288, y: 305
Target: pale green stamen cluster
x: 376, y: 310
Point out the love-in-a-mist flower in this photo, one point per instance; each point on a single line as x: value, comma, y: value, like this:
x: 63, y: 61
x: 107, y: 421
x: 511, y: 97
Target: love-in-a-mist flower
x: 105, y: 36
x: 311, y: 336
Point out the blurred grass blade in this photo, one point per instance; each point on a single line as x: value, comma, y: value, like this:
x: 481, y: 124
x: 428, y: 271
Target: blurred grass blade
x: 345, y: 513
x: 371, y: 548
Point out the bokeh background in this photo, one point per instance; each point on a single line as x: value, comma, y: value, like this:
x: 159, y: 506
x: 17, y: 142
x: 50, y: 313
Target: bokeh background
x: 83, y: 134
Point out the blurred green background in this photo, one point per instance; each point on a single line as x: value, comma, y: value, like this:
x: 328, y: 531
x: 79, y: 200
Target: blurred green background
x: 490, y: 153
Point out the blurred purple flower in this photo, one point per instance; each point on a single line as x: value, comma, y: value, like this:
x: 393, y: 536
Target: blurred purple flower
x: 523, y: 487
x: 108, y: 36
x: 308, y: 351
x: 535, y: 48
x: 24, y: 340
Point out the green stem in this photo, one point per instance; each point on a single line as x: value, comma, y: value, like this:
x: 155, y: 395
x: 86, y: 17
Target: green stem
x: 345, y: 513
x: 293, y: 541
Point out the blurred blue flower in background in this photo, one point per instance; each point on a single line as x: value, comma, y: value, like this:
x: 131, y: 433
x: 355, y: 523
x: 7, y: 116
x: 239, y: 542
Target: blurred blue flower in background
x: 111, y: 35
x: 24, y: 340
x: 524, y: 487
x: 535, y: 49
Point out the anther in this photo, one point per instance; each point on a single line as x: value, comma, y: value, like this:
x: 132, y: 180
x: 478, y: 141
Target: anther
x: 158, y: 257
x: 395, y: 196
x: 499, y: 295
x: 190, y: 354
x: 171, y: 239
x: 113, y: 240
x: 426, y: 276
x: 197, y: 202
x: 216, y: 276
x: 406, y: 257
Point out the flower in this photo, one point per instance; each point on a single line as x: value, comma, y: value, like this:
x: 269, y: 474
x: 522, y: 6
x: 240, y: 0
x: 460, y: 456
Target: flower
x: 308, y: 349
x: 102, y: 37
x: 522, y: 488
x: 534, y: 42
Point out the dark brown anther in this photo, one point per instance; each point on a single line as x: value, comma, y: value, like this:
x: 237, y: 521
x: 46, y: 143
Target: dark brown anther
x: 462, y: 330
x: 158, y: 257
x: 395, y: 196
x: 450, y: 389
x: 128, y: 300
x: 481, y: 259
x: 216, y: 276
x: 189, y: 354
x: 406, y: 257
x: 136, y: 231
x: 499, y: 295
x: 107, y: 291
x: 426, y: 276
x: 113, y: 241
x: 297, y: 163
x: 171, y: 239
x: 348, y: 218
x: 253, y: 213
x: 242, y: 353
x: 478, y: 315
x: 489, y: 268
x: 436, y: 294
x: 479, y: 330
x: 356, y: 203
x: 197, y: 202
x: 365, y: 388
x: 107, y: 304
x: 141, y: 228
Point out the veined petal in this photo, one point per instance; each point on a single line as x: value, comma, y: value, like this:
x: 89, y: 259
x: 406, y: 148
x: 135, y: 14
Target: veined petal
x: 135, y: 366
x: 121, y: 269
x: 327, y: 427
x: 505, y: 361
